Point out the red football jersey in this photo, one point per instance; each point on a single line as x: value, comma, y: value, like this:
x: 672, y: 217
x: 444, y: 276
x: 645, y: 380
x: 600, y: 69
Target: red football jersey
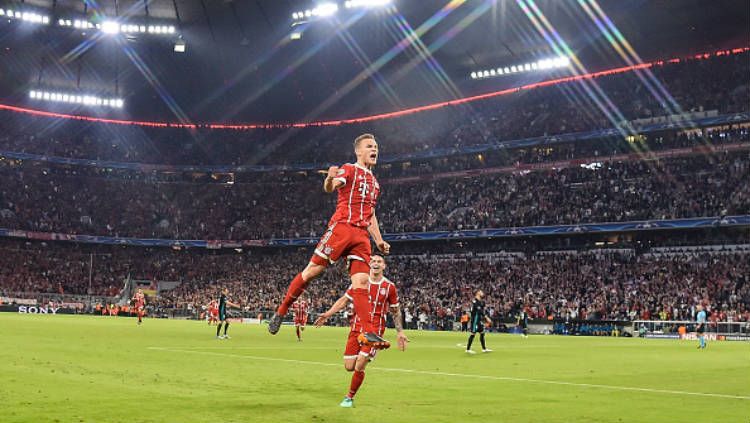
x: 139, y: 299
x: 300, y: 309
x: 382, y: 296
x: 357, y: 197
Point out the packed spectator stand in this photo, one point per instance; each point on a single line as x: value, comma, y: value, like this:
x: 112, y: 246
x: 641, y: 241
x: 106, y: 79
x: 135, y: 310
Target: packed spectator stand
x: 703, y: 172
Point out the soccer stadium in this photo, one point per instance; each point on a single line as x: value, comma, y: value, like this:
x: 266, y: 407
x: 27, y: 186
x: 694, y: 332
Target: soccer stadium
x: 374, y: 210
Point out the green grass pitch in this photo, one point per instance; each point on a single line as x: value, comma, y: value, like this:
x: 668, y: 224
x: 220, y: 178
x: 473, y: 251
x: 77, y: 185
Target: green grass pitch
x: 100, y: 369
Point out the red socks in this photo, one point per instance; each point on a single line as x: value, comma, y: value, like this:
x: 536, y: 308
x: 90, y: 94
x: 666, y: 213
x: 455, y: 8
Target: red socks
x: 296, y: 288
x: 298, y: 337
x: 362, y: 308
x: 357, y: 379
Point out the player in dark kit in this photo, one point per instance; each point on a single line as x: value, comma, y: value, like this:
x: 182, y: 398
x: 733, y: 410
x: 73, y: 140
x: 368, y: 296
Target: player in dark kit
x: 348, y: 236
x: 223, y: 303
x: 476, y: 322
x: 523, y: 322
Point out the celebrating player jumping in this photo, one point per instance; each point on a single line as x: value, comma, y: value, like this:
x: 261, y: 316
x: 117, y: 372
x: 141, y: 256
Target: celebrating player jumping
x: 384, y: 298
x: 347, y: 236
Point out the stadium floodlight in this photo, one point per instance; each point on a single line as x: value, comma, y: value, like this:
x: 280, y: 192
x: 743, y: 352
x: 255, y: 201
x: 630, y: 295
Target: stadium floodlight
x: 563, y: 61
x: 322, y: 10
x: 557, y: 62
x: 29, y: 17
x: 111, y: 27
x: 326, y: 9
x: 180, y: 46
x: 86, y: 100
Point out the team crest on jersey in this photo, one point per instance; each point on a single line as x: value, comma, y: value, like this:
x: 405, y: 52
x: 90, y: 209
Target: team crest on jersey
x: 382, y: 291
x: 327, y: 250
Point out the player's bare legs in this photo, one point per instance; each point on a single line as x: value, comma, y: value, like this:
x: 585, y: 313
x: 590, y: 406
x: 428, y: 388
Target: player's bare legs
x: 296, y: 288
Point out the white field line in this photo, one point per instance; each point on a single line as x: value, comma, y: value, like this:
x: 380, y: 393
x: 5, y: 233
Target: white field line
x: 463, y: 375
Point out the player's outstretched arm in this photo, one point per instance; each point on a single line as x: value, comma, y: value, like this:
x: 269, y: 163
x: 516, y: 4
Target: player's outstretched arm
x: 374, y: 230
x: 335, y: 308
x: 398, y: 322
x: 332, y: 182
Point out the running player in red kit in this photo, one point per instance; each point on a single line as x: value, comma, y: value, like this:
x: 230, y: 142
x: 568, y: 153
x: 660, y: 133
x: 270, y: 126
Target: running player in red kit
x: 300, y: 310
x: 213, y: 312
x: 384, y: 299
x: 347, y: 236
x: 139, y: 304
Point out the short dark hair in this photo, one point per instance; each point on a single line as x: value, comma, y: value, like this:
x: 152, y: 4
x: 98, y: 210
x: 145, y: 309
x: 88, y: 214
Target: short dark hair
x: 363, y: 137
x: 377, y: 255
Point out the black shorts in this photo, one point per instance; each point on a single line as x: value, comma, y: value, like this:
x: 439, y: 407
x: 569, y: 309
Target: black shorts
x: 700, y: 329
x: 222, y: 315
x: 477, y: 328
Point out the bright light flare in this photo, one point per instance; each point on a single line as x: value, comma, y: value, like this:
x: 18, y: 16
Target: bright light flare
x: 86, y: 100
x: 559, y: 62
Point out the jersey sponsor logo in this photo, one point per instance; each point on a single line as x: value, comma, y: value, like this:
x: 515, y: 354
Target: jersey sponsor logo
x: 383, y: 291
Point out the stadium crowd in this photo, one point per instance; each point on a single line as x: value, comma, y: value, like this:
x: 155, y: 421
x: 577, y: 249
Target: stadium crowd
x: 681, y: 187
x: 418, y: 196
x: 592, y: 284
x: 718, y: 83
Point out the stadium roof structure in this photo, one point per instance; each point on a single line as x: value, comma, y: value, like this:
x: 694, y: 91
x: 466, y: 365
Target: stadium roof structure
x: 242, y: 64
